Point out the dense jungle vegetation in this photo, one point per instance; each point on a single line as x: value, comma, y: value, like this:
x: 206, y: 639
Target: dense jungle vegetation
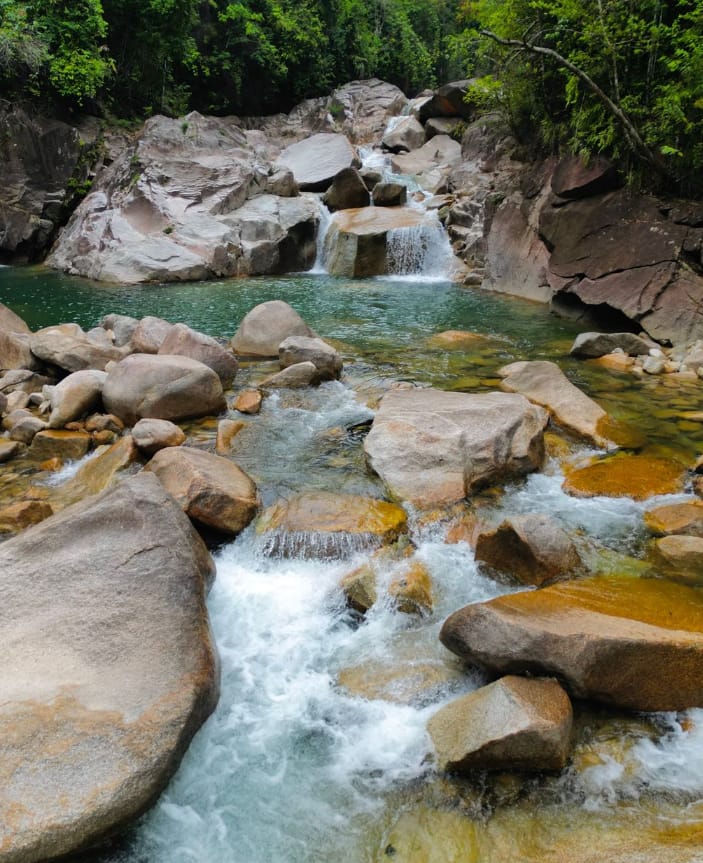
x: 621, y: 77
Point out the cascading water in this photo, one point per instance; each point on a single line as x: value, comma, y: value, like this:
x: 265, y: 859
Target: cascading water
x: 323, y: 227
x: 420, y: 252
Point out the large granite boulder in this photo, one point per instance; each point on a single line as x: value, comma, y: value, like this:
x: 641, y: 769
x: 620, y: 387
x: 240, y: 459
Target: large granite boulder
x: 71, y: 349
x: 347, y: 191
x: 635, y: 643
x: 183, y: 341
x: 316, y: 160
x: 15, y: 352
x: 109, y: 667
x: 431, y: 163
x: 512, y: 724
x: 163, y: 387
x: 148, y: 335
x: 448, y: 101
x: 531, y: 548
x: 212, y: 490
x: 403, y: 134
x: 432, y: 447
x: 264, y: 328
x: 168, y: 209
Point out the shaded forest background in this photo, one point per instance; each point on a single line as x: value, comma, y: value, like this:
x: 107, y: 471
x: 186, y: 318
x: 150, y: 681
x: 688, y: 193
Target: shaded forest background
x: 619, y: 77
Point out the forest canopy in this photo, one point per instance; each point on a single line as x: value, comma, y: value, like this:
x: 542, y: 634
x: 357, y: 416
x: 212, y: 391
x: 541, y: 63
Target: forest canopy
x: 620, y: 77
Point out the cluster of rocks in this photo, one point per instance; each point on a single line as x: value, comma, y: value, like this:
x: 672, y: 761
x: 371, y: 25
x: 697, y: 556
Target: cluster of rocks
x: 640, y: 355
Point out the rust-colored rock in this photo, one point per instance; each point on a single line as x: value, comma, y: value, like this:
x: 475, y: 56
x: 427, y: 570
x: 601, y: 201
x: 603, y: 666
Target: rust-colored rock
x: 404, y: 682
x: 632, y: 642
x: 23, y: 514
x: 681, y: 518
x: 97, y: 474
x: 512, y: 724
x: 411, y: 589
x: 636, y: 476
x: 227, y: 430
x: 248, y: 402
x: 53, y: 443
x: 683, y: 556
x: 359, y: 588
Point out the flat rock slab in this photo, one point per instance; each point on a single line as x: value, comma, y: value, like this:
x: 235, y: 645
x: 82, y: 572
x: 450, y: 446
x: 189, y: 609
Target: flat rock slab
x: 432, y: 447
x: 108, y: 667
x: 512, y: 724
x: 636, y: 643
x: 316, y: 160
x: 212, y: 490
x: 324, y: 525
x: 635, y: 476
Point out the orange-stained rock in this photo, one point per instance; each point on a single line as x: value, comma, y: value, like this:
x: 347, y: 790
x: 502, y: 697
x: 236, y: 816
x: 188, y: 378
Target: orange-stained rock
x: 411, y: 589
x: 359, y: 588
x: 633, y: 642
x: 227, y: 430
x: 636, y: 476
x: 685, y: 518
x: 464, y: 529
x: 614, y: 362
x: 512, y: 724
x: 100, y: 438
x: 52, y: 464
x: 455, y: 340
x: 61, y: 444
x: 96, y: 474
x: 531, y: 548
x: 323, y: 524
x: 402, y: 682
x: 23, y: 514
x: 248, y: 402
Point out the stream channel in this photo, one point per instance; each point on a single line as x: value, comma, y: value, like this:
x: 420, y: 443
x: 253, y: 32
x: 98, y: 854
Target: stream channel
x: 294, y: 768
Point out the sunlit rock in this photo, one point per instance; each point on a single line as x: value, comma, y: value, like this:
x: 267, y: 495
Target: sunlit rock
x: 299, y: 349
x: 681, y: 518
x: 432, y: 447
x: 96, y: 474
x: 262, y: 330
x: 108, y: 667
x: 633, y: 642
x: 513, y: 724
x: 65, y: 445
x: 151, y: 435
x: 636, y: 476
x: 69, y: 348
x: 75, y: 395
x: 183, y: 341
x: 316, y: 160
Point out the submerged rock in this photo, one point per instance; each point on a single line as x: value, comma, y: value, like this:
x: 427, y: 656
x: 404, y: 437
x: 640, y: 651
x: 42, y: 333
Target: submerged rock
x: 432, y: 447
x: 636, y: 476
x: 413, y: 682
x: 326, y: 525
x: 512, y: 724
x: 633, y: 642
x: 108, y: 667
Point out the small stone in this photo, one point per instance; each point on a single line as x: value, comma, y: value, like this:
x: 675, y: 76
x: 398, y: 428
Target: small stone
x: 248, y: 402
x: 103, y: 437
x: 23, y: 514
x: 294, y: 377
x: 9, y: 449
x: 359, y: 588
x: 152, y: 435
x: 412, y: 589
x: 653, y: 365
x: 226, y: 432
x: 24, y: 430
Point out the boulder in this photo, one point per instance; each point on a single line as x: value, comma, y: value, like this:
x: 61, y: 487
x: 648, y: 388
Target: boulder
x: 75, y: 395
x: 531, y: 548
x: 11, y: 322
x: 591, y: 345
x: 679, y: 518
x: 411, y: 589
x: 316, y: 160
x: 683, y: 555
x: 162, y: 387
x: 325, y: 525
x: 448, y: 101
x: 512, y: 724
x: 347, y: 190
x: 56, y: 443
x: 432, y: 447
x: 69, y: 348
x: 26, y: 428
x: 632, y: 642
x: 573, y: 177
x: 390, y: 195
x: 9, y: 449
x: 264, y: 328
x: 452, y: 126
x: 545, y: 384
x: 300, y: 349
x: 403, y: 134
x: 151, y: 435
x: 365, y: 108
x: 636, y: 476
x: 248, y: 402
x: 440, y: 152
x: 122, y: 328
x: 109, y: 667
x: 212, y: 490
x: 359, y: 588
x: 298, y: 375
x: 356, y: 244
x: 148, y: 335
x: 182, y: 341
x: 15, y: 352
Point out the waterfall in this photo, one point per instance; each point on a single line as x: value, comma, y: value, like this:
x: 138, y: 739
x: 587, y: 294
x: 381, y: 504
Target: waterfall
x: 420, y: 252
x: 323, y: 227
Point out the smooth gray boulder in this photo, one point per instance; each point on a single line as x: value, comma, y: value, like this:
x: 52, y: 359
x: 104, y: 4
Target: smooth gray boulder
x: 12, y: 322
x: 75, y: 396
x: 162, y: 387
x: 148, y: 335
x: 303, y: 374
x: 182, y: 341
x: 300, y: 349
x: 515, y: 723
x: 71, y: 349
x: 211, y: 490
x: 109, y: 667
x: 592, y: 345
x: 121, y: 327
x: 264, y: 328
x: 432, y: 447
x: 316, y: 160
x: 152, y: 435
x: 15, y: 352
x: 403, y: 134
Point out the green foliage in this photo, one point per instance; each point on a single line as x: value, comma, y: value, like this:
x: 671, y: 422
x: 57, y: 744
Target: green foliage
x: 646, y: 56
x: 23, y: 50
